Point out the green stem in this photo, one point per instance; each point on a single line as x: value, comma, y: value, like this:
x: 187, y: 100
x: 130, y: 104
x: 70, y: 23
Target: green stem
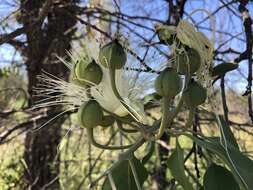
x: 122, y: 119
x: 123, y: 156
x: 190, y: 117
x: 119, y: 124
x: 164, y: 122
x: 112, y: 73
x: 170, y: 116
x: 176, y: 111
x: 187, y: 75
x: 135, y: 174
x: 96, y: 144
x: 128, y: 153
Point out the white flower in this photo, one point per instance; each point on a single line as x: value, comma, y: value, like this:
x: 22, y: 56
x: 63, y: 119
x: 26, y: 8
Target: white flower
x: 131, y: 85
x: 132, y: 89
x: 55, y: 91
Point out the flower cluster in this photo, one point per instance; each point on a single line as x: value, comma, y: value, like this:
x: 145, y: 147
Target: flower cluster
x: 186, y: 42
x: 90, y: 80
x: 103, y: 91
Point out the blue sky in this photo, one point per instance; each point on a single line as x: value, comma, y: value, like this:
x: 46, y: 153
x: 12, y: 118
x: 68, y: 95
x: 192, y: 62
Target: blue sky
x: 7, y: 52
x: 225, y: 21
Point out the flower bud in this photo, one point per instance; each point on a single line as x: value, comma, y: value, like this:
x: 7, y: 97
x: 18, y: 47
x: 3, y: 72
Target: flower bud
x: 113, y: 55
x: 90, y: 114
x: 168, y: 83
x: 194, y: 95
x: 192, y: 58
x: 88, y: 74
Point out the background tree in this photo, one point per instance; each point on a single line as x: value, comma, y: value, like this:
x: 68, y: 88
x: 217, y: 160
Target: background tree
x: 51, y: 26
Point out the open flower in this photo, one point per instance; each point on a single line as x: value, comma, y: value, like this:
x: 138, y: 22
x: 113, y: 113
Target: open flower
x: 131, y: 85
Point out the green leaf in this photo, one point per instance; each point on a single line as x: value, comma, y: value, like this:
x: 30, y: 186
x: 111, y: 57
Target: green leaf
x: 240, y: 165
x: 123, y: 177
x: 176, y: 166
x: 230, y: 145
x: 223, y: 68
x: 219, y: 178
x: 226, y: 133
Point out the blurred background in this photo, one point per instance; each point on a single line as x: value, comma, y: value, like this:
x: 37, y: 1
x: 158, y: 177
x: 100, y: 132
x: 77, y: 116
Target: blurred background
x: 33, y: 34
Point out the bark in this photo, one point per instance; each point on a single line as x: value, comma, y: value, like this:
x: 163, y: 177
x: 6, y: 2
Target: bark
x: 50, y: 35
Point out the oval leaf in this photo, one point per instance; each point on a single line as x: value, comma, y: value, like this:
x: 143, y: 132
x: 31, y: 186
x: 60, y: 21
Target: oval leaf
x: 219, y: 178
x: 223, y: 68
x: 240, y: 165
x: 123, y: 177
x: 176, y: 166
x: 225, y: 131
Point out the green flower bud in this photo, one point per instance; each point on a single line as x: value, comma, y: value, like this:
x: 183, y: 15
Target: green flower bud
x: 168, y: 83
x: 106, y: 121
x: 194, y: 95
x: 90, y: 114
x: 191, y: 58
x: 87, y: 74
x: 113, y: 55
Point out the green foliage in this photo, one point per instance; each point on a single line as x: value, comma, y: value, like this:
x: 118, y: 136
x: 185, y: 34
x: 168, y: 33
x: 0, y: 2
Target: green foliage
x: 11, y: 174
x: 226, y: 133
x: 13, y: 93
x: 7, y: 71
x: 123, y: 176
x: 176, y: 166
x: 219, y: 178
x: 223, y: 68
x: 240, y: 165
